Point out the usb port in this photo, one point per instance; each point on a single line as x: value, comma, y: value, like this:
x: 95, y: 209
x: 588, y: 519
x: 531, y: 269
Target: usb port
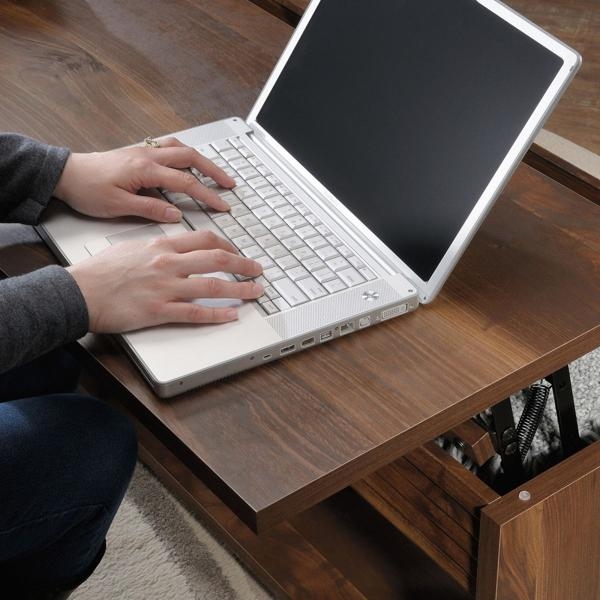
x: 346, y: 328
x: 288, y: 349
x: 308, y: 342
x: 326, y: 335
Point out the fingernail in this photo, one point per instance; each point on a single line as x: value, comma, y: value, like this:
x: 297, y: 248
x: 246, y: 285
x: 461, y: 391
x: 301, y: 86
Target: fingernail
x: 172, y: 214
x: 258, y: 289
x: 231, y: 314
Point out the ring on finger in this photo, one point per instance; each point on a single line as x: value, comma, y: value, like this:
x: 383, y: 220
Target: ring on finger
x: 150, y: 142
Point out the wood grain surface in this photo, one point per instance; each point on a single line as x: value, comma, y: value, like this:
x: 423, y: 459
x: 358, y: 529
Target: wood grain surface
x: 575, y: 22
x: 523, y: 301
x: 547, y: 547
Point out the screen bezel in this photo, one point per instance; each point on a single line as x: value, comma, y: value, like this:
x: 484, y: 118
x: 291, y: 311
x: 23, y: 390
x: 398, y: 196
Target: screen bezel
x: 428, y: 289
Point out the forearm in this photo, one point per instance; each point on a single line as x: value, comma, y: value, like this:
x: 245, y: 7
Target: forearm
x: 39, y: 312
x: 29, y: 172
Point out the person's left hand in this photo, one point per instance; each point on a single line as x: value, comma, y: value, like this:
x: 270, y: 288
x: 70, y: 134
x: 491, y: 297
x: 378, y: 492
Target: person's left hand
x: 105, y: 184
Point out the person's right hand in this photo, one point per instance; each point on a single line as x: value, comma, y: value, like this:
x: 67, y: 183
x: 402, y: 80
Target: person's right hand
x: 139, y: 284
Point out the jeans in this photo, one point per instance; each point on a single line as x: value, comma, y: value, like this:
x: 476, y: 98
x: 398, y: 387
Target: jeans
x: 65, y: 463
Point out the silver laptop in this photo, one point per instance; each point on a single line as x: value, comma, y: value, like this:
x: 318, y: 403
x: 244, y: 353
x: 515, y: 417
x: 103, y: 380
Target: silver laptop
x: 368, y: 162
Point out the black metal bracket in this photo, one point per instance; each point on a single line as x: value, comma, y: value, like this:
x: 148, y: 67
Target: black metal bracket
x: 507, y: 443
x: 565, y: 411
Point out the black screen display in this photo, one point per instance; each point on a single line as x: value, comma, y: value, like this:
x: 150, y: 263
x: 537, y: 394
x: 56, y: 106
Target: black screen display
x: 404, y: 110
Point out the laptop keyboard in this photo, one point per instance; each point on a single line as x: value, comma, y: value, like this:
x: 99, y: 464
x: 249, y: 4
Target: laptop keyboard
x: 302, y: 259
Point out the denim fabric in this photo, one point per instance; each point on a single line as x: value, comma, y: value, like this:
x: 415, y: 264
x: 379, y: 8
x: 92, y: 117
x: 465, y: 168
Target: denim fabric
x: 65, y: 463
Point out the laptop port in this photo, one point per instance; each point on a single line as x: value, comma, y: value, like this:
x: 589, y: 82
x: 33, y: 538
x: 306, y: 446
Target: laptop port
x: 267, y: 356
x: 288, y: 349
x: 326, y: 335
x: 347, y: 328
x: 308, y: 342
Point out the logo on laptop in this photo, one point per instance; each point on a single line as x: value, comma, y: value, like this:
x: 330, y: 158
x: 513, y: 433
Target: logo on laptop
x: 370, y: 295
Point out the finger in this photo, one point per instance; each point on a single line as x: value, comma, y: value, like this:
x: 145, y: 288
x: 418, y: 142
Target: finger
x: 215, y: 261
x: 148, y: 207
x: 168, y: 142
x: 182, y: 181
x: 186, y: 312
x: 200, y: 240
x: 183, y: 157
x: 214, y: 287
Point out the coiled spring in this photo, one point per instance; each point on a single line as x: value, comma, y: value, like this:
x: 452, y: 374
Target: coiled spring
x: 531, y: 417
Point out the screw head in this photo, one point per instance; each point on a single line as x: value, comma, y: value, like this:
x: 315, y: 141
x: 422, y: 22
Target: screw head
x: 524, y: 496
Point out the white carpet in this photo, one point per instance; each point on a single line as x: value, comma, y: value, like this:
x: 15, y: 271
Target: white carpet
x: 158, y: 551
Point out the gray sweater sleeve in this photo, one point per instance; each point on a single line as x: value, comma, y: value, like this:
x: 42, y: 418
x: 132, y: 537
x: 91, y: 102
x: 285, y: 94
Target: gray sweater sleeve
x: 44, y: 309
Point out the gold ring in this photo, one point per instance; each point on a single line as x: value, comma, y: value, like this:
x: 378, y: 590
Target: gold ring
x: 150, y: 142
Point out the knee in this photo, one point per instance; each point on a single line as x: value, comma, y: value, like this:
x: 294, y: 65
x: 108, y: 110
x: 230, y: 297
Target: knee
x: 70, y: 444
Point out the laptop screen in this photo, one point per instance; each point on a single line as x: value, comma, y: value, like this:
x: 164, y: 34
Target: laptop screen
x: 404, y: 111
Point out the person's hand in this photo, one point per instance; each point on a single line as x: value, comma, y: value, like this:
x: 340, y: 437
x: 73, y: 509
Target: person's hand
x: 106, y: 184
x: 139, y: 284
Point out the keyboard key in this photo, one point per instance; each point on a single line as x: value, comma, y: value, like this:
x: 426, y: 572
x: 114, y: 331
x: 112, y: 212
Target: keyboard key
x: 230, y: 197
x: 271, y: 292
x: 219, y: 161
x: 239, y: 163
x: 224, y: 220
x: 238, y: 210
x: 248, y: 172
x: 282, y: 232
x: 266, y: 191
x: 253, y: 202
x: 344, y: 251
x: 335, y: 285
x: 235, y: 142
x: 243, y: 191
x: 367, y: 274
x: 292, y: 243
x: 253, y: 251
x: 230, y: 154
x: 254, y: 161
x: 313, y: 219
x: 281, y: 189
x: 269, y: 307
x: 244, y: 241
x: 350, y: 277
x: 280, y: 303
x: 323, y: 229
x: 273, y: 180
x: 246, y: 152
x: 313, y: 263
x: 267, y: 241
x: 287, y: 262
x: 263, y: 211
x: 234, y: 231
x: 266, y: 262
x: 257, y: 182
x: 334, y: 241
x: 323, y: 275
x: 293, y: 200
x: 262, y: 170
x: 277, y: 251
x: 273, y: 221
x: 273, y: 274
x: 326, y: 252
x: 303, y: 253
x: 306, y: 231
x: 303, y: 209
x: 337, y: 263
x: 276, y: 201
x: 289, y: 291
x: 356, y: 262
x: 175, y: 197
x: 286, y: 210
x: 311, y: 288
x: 316, y: 242
x: 257, y: 230
x: 248, y: 220
x: 296, y: 273
x: 222, y: 145
x: 296, y: 221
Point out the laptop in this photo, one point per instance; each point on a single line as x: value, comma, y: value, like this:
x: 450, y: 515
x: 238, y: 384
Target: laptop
x: 374, y: 152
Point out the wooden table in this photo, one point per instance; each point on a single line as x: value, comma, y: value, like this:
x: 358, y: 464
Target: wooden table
x: 279, y: 440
